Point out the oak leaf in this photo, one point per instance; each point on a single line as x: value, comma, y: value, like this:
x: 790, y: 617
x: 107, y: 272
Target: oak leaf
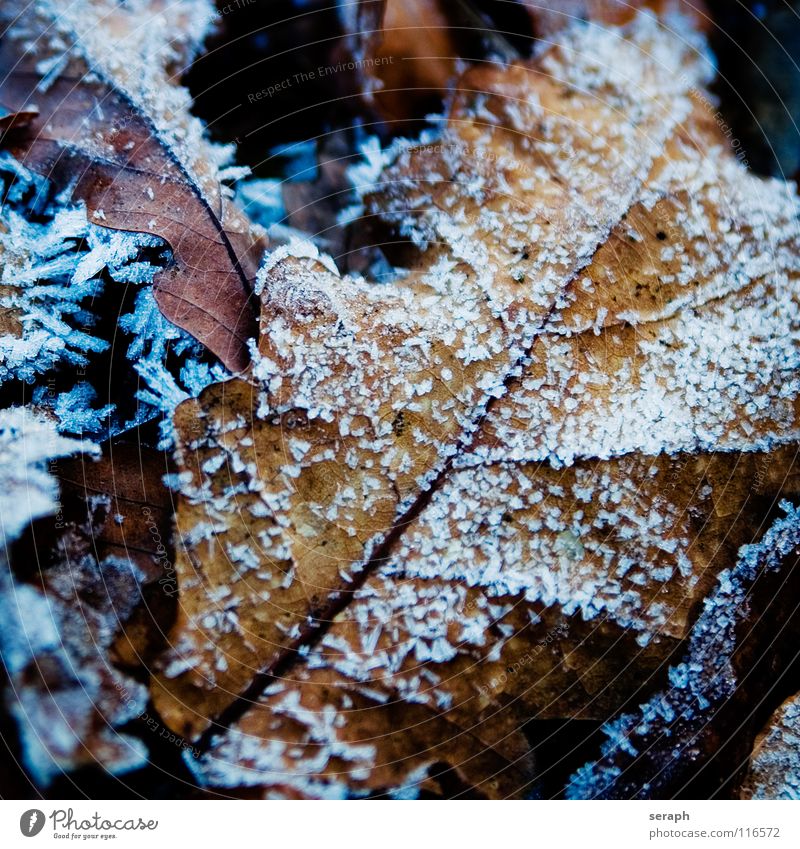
x: 702, y: 720
x: 501, y: 486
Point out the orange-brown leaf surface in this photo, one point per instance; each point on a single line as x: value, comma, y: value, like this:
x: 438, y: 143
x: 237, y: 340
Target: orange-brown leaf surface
x: 774, y: 770
x: 411, y: 57
x: 500, y: 486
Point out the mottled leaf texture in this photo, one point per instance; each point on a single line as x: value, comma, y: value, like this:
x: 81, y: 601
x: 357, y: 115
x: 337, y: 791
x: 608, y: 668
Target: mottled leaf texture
x: 132, y: 509
x: 112, y: 127
x: 550, y: 16
x: 775, y: 763
x: 91, y: 598
x: 500, y: 487
x: 684, y: 726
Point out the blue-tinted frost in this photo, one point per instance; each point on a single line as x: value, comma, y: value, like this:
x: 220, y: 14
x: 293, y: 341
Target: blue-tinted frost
x: 55, y: 267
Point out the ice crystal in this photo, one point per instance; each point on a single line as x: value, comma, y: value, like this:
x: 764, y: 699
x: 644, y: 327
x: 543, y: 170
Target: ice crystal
x: 56, y: 266
x: 29, y: 444
x: 705, y: 677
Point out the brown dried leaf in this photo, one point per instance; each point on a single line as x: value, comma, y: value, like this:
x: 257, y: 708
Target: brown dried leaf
x: 494, y: 620
x: 549, y: 17
x: 391, y: 740
x: 422, y: 482
x: 302, y: 459
x: 122, y: 495
x: 117, y: 507
x: 701, y: 724
x: 411, y: 58
x: 70, y: 699
x: 774, y: 768
x: 114, y: 129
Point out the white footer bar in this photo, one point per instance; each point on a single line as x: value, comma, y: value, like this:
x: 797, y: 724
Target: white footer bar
x: 401, y: 825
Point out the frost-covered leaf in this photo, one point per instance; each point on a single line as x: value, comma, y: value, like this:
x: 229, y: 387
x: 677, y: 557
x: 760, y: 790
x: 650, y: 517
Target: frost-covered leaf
x: 61, y: 690
x: 119, y: 505
x: 538, y: 613
x: 656, y: 747
x: 119, y: 509
x: 550, y: 16
x: 544, y: 432
x: 528, y: 613
x: 775, y: 763
x: 122, y: 141
x: 10, y: 120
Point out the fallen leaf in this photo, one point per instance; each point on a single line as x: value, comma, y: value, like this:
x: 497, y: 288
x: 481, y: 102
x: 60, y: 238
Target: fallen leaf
x: 341, y: 478
x: 113, y: 128
x: 774, y: 771
x: 550, y: 17
x: 510, y: 446
x: 706, y: 708
x: 497, y: 632
x: 122, y: 497
x: 118, y: 509
x: 65, y: 693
